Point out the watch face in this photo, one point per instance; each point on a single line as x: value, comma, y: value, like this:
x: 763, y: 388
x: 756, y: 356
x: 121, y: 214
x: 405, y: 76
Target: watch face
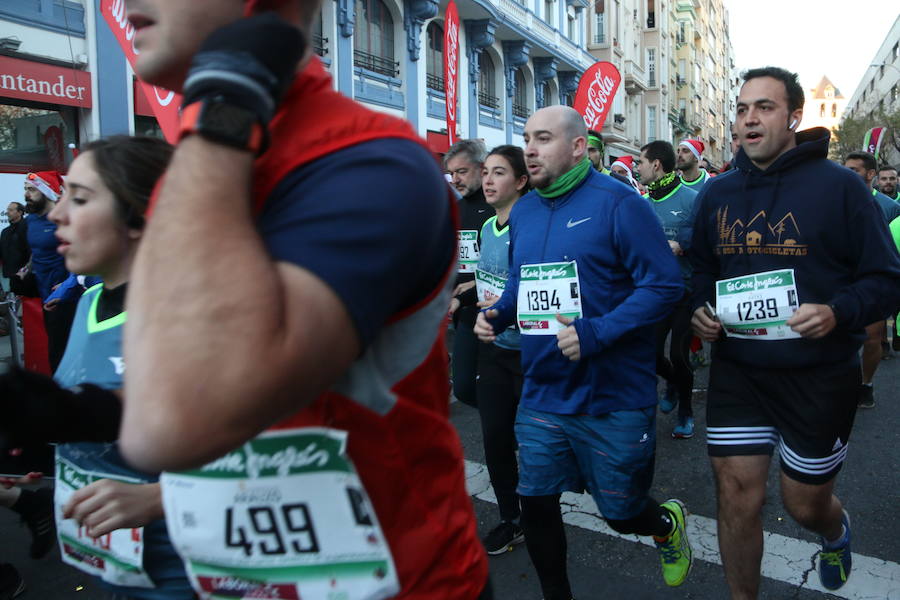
x: 229, y: 124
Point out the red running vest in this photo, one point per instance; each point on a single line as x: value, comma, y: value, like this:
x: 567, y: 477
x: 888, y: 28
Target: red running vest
x: 394, y: 401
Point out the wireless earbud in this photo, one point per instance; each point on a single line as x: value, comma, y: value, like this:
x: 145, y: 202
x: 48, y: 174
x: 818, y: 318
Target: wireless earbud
x: 793, y: 124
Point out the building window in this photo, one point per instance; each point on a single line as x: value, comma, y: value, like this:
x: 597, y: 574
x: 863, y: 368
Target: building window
x: 546, y: 93
x: 822, y: 110
x: 520, y: 98
x: 599, y: 22
x: 651, y: 123
x: 834, y: 110
x: 320, y: 42
x: 373, y: 40
x: 682, y: 111
x: 434, y: 58
x: 570, y: 30
x: 651, y: 67
x: 894, y: 93
x: 681, y: 37
x: 651, y: 14
x: 487, y: 92
x: 548, y: 12
x: 35, y: 136
x: 896, y: 51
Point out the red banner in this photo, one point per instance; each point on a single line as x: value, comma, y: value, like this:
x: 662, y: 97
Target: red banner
x: 595, y: 93
x: 872, y: 142
x: 38, y: 82
x: 163, y: 102
x: 451, y: 67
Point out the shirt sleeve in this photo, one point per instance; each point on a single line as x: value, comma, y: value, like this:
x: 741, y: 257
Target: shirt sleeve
x: 373, y: 221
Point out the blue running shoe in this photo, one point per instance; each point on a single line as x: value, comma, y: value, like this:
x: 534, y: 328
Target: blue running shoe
x: 685, y: 428
x: 835, y: 563
x: 668, y: 402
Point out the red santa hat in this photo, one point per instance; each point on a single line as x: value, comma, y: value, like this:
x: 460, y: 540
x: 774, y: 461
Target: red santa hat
x: 626, y: 162
x: 49, y: 183
x: 695, y: 146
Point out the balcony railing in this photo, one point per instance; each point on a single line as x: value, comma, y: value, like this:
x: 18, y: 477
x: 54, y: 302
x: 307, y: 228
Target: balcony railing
x: 434, y: 82
x: 599, y: 38
x: 520, y: 111
x: 488, y: 100
x: 320, y: 45
x: 378, y: 64
x: 651, y: 20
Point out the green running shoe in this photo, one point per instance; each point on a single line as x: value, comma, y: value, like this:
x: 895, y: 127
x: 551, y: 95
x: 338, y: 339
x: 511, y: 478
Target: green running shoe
x: 675, y: 550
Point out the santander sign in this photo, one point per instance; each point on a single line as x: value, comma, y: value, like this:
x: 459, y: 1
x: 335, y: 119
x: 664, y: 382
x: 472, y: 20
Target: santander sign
x: 451, y: 67
x: 596, y: 91
x: 165, y: 103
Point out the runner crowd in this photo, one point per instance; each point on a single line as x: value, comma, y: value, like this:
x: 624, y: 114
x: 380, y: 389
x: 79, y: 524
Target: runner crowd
x: 235, y: 458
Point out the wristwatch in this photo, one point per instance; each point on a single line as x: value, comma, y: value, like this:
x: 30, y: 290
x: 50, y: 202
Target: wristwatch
x: 223, y: 123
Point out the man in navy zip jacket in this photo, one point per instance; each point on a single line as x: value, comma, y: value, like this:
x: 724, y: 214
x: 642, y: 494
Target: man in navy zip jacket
x: 797, y: 258
x: 590, y: 274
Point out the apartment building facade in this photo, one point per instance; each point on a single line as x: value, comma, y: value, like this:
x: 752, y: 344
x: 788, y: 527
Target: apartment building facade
x: 677, y: 66
x: 878, y: 91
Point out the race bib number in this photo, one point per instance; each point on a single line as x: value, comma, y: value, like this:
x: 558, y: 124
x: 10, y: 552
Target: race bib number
x: 285, y: 516
x: 469, y: 253
x: 489, y: 286
x: 756, y: 307
x: 544, y: 290
x: 116, y: 557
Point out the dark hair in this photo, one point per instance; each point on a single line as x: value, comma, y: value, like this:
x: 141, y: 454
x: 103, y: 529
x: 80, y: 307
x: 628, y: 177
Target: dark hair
x: 19, y: 206
x: 884, y: 168
x: 662, y: 151
x: 867, y: 159
x: 515, y: 156
x: 595, y: 133
x: 792, y: 87
x: 130, y: 168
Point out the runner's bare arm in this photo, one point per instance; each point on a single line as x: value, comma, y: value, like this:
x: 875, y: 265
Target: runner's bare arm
x: 213, y: 358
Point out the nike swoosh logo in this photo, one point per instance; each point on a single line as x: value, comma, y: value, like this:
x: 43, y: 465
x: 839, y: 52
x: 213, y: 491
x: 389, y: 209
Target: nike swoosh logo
x: 481, y: 210
x: 572, y: 223
x: 676, y: 212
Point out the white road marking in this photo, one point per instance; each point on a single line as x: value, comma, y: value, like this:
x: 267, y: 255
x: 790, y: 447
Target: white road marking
x: 786, y: 559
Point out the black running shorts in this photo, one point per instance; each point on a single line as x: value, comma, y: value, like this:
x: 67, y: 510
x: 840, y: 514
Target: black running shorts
x: 807, y: 413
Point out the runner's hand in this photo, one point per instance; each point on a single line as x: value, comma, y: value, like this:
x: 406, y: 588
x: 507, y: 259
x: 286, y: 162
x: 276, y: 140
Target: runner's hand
x: 250, y: 62
x: 463, y: 287
x: 676, y: 248
x: 705, y: 327
x: 51, y: 304
x: 454, y: 306
x: 30, y: 478
x: 107, y: 505
x: 567, y: 339
x: 483, y: 329
x: 812, y: 320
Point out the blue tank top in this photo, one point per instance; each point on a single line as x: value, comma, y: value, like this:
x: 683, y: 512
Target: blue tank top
x: 94, y: 355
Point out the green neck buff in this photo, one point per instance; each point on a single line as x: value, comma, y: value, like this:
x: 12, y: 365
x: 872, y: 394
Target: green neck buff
x: 567, y: 181
x: 663, y: 181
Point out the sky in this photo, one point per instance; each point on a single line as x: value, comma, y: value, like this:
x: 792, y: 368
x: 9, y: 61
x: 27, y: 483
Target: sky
x: 837, y: 38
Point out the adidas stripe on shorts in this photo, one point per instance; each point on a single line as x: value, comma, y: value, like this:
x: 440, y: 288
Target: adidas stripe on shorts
x: 806, y: 413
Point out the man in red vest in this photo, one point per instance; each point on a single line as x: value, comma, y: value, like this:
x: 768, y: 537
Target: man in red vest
x: 286, y: 365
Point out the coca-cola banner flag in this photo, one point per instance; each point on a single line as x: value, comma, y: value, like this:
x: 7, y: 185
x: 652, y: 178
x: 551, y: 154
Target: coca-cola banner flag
x: 596, y: 91
x: 164, y: 102
x: 451, y: 67
x: 872, y: 143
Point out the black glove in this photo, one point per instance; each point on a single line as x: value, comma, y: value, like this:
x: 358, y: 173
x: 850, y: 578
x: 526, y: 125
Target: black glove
x: 34, y: 409
x: 249, y: 63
